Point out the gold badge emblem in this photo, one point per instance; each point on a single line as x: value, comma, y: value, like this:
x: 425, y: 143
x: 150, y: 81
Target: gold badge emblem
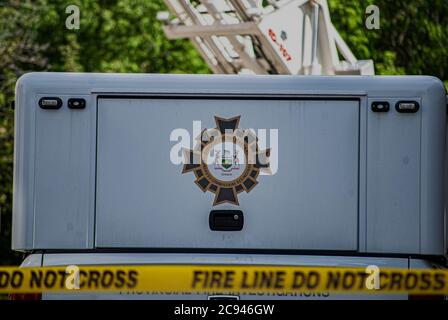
x: 226, y: 160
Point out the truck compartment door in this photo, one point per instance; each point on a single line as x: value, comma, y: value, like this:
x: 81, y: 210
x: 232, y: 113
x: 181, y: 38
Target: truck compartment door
x: 309, y: 202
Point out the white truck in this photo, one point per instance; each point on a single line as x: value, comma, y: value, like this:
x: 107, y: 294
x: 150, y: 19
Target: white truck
x: 229, y: 169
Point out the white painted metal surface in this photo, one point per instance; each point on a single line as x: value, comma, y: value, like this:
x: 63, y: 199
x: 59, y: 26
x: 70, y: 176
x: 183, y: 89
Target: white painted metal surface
x: 62, y: 167
x: 144, y: 200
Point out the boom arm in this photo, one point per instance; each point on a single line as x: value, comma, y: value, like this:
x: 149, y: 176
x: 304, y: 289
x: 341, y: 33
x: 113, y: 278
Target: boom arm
x: 243, y: 36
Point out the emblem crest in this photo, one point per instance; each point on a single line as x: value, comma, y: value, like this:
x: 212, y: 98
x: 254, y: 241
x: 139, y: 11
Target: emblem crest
x: 226, y: 160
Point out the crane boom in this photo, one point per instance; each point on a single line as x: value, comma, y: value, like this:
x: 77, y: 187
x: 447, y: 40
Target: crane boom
x: 263, y: 37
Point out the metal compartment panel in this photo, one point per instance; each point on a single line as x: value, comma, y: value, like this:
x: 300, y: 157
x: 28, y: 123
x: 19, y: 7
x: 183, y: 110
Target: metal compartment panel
x: 144, y: 200
x: 393, y: 175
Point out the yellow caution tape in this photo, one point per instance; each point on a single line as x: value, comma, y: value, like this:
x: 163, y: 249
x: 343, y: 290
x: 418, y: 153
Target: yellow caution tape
x: 225, y: 278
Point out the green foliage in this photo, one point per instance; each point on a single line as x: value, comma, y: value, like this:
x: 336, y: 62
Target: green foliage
x: 412, y: 39
x: 125, y: 36
x: 114, y: 36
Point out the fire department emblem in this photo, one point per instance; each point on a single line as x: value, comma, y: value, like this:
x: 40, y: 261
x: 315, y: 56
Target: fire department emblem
x: 226, y: 160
